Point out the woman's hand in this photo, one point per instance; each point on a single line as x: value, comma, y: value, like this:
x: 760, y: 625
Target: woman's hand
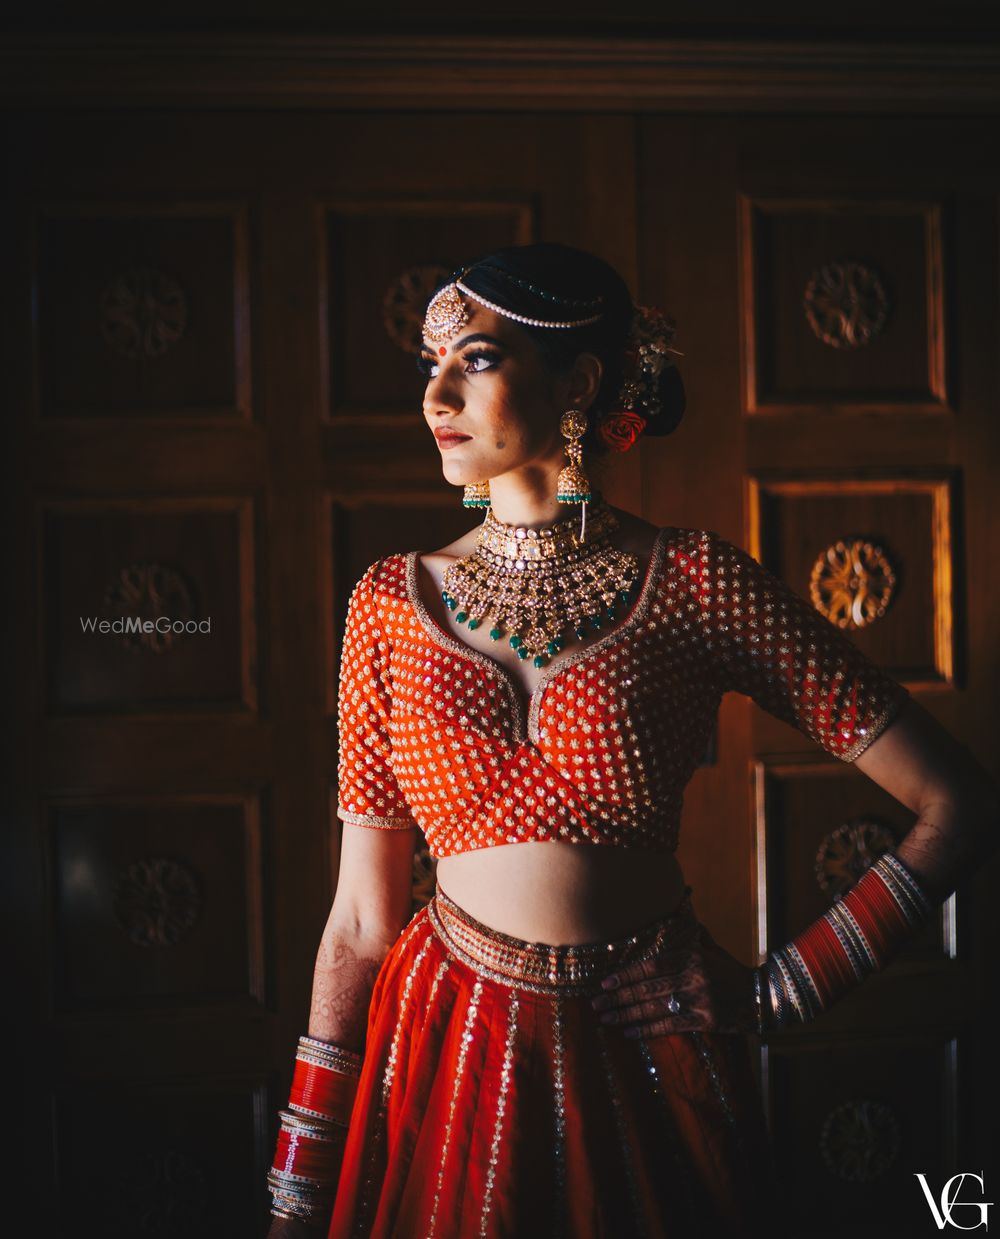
x: 698, y: 988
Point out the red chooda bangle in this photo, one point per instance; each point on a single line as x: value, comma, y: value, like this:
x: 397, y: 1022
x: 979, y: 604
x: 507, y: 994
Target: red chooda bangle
x: 310, y: 1147
x: 855, y: 937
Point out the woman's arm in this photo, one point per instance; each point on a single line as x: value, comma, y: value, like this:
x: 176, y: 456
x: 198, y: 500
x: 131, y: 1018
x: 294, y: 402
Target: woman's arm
x: 958, y: 810
x: 372, y: 904
x: 925, y: 768
x: 770, y: 644
x: 957, y: 803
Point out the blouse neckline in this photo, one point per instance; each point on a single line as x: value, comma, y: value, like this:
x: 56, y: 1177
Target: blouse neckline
x: 524, y: 711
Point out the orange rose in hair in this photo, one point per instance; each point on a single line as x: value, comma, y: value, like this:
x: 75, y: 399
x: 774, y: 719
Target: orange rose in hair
x: 620, y: 430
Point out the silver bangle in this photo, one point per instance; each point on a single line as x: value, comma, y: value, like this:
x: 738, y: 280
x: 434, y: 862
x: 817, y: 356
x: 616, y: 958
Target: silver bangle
x: 758, y: 1003
x: 776, y: 996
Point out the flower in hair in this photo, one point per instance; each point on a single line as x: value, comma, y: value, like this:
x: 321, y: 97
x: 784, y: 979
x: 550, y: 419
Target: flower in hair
x: 619, y: 430
x: 646, y: 356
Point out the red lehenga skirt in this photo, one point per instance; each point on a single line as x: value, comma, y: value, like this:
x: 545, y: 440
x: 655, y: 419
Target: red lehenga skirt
x: 493, y: 1102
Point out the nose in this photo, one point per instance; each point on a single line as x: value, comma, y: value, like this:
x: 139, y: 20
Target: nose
x: 440, y: 399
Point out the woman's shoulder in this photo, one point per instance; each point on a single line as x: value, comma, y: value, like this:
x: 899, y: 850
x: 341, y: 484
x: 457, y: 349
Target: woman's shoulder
x: 681, y: 541
x: 698, y: 560
x: 701, y: 541
x: 385, y: 581
x: 637, y: 529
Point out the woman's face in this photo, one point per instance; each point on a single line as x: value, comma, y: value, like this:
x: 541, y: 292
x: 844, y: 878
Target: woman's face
x: 490, y: 402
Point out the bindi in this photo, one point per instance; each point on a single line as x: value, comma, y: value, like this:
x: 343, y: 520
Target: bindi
x: 442, y: 351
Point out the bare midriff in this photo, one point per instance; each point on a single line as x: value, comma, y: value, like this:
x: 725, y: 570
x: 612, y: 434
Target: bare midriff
x: 560, y: 893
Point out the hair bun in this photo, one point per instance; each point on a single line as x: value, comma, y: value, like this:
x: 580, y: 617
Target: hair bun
x: 651, y: 398
x: 673, y: 402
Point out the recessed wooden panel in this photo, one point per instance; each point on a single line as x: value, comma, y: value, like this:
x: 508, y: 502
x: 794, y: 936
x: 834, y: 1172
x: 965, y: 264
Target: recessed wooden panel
x: 795, y: 521
x: 842, y: 306
x: 360, y: 535
x: 142, y: 312
x: 148, y: 606
x: 852, y: 1125
x: 129, y: 1165
x: 383, y: 260
x: 815, y: 825
x: 156, y: 902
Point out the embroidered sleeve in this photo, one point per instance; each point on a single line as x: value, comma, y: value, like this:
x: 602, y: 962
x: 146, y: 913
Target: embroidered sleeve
x: 775, y: 647
x: 368, y: 794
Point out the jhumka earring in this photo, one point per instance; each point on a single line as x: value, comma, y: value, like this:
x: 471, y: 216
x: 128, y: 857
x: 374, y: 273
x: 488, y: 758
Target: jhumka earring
x: 573, y: 485
x: 477, y: 495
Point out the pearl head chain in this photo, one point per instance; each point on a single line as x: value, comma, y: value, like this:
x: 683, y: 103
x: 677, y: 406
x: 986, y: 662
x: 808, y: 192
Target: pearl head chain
x: 521, y: 318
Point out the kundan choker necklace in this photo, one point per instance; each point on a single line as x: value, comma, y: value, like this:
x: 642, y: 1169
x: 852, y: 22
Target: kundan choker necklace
x: 542, y: 587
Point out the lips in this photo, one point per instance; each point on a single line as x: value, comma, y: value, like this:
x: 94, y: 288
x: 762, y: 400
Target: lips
x: 450, y: 438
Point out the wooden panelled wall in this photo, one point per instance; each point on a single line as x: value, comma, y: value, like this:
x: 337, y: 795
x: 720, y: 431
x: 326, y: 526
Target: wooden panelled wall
x: 216, y: 422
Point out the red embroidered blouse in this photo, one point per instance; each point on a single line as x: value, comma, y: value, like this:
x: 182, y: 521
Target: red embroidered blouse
x: 436, y: 734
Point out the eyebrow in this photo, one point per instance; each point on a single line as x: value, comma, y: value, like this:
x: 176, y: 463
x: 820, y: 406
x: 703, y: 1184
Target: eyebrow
x: 474, y: 338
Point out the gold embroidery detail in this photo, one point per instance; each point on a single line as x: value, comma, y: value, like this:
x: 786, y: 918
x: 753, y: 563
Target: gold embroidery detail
x: 470, y: 1019
x: 685, y: 1194
x: 377, y: 823
x: 440, y: 637
x: 390, y: 1067
x: 708, y: 1058
x: 442, y: 969
x: 623, y: 1139
x: 558, y: 1088
x: 508, y: 1061
x: 543, y: 968
x: 634, y: 617
x: 875, y: 727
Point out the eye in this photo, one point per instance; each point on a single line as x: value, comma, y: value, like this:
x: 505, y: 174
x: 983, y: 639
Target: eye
x: 476, y: 362
x: 480, y: 355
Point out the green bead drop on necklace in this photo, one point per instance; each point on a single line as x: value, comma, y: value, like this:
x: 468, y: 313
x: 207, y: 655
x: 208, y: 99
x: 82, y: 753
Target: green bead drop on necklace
x: 539, y: 588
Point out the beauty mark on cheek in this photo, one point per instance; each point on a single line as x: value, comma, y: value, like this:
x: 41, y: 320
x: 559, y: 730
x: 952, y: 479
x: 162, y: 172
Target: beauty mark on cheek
x: 501, y: 444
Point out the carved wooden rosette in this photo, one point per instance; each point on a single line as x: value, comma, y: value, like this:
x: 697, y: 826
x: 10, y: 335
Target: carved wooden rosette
x: 859, y: 1140
x: 143, y: 313
x: 156, y: 902
x: 848, y: 851
x: 846, y: 304
x: 404, y: 304
x: 852, y: 583
x: 150, y: 591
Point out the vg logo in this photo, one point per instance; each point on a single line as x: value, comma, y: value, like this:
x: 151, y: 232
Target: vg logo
x: 944, y: 1208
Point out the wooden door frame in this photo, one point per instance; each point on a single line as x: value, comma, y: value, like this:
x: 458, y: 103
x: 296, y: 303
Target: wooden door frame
x: 499, y: 73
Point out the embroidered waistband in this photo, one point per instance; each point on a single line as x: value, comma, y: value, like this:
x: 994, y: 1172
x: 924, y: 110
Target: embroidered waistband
x: 545, y: 967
